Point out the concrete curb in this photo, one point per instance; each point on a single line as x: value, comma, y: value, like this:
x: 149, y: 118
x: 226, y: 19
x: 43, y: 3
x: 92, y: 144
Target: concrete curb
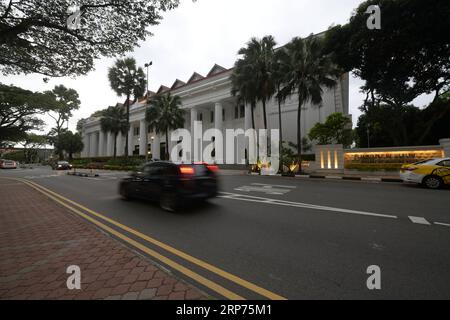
x: 347, y: 178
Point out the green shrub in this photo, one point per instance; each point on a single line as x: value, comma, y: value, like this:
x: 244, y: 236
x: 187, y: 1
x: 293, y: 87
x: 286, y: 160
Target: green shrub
x: 18, y: 156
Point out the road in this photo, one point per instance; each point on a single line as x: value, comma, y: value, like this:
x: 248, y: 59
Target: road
x: 267, y: 237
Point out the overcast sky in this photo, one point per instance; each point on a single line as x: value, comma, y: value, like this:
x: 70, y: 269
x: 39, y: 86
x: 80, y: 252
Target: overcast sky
x: 196, y: 35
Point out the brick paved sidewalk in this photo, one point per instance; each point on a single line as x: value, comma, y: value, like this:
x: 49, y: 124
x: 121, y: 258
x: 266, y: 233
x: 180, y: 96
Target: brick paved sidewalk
x: 39, y: 239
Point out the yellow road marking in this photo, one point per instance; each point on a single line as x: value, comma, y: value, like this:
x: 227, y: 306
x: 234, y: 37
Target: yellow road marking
x: 224, y: 274
x: 191, y: 274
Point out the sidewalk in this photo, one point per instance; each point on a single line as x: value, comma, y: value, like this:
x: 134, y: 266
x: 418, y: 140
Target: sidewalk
x: 39, y: 239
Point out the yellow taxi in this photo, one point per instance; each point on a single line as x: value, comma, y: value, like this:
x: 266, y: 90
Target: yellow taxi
x: 433, y: 173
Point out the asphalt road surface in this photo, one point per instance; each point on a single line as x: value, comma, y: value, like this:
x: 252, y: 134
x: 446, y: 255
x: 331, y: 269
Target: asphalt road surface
x: 266, y: 237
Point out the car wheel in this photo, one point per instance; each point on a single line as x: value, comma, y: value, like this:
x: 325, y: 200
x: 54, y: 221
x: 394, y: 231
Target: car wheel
x: 124, y: 193
x: 432, y: 182
x: 168, y: 202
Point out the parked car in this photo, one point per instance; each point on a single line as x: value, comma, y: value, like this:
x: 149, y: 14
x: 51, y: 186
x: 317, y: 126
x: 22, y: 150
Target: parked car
x: 171, y: 184
x: 8, y: 164
x: 62, y: 165
x: 433, y: 173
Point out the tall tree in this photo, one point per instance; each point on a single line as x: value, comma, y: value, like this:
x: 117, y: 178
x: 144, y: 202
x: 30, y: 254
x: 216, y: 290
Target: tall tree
x: 66, y: 101
x: 114, y: 120
x: 164, y: 114
x: 71, y: 143
x: 244, y: 86
x: 19, y: 109
x: 309, y: 72
x: 258, y: 65
x: 281, y: 67
x: 407, y: 57
x: 35, y: 36
x: 128, y: 80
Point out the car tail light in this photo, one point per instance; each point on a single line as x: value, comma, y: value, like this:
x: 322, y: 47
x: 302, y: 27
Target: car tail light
x: 213, y: 168
x: 187, y: 170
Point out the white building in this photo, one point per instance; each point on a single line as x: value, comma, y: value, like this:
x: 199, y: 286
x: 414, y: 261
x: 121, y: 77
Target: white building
x: 209, y: 99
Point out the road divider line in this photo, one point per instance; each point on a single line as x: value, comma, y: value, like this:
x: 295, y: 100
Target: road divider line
x: 419, y: 220
x: 224, y: 274
x: 442, y: 224
x: 274, y: 185
x: 241, y: 197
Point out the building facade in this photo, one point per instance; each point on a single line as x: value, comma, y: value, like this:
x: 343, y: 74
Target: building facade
x: 209, y: 99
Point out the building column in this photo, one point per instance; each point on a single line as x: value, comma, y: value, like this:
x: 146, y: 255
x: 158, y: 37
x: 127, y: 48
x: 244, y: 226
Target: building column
x: 218, y: 119
x: 248, y: 116
x: 101, y: 144
x: 156, y: 147
x: 143, y: 137
x: 194, y: 117
x: 94, y: 145
x: 120, y: 144
x: 109, y: 144
x: 86, y: 143
x: 130, y: 140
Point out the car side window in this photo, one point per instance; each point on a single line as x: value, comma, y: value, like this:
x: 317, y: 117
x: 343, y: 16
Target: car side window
x: 445, y: 163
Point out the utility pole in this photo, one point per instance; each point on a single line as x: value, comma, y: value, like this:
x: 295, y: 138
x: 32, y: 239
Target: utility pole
x: 147, y: 65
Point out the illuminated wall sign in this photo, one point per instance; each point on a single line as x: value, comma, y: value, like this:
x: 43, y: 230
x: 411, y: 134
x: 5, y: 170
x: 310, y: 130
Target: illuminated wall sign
x: 406, y: 156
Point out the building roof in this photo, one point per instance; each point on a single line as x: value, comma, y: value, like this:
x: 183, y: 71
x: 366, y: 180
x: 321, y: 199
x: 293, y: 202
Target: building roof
x: 162, y: 89
x: 216, y: 70
x: 195, y: 77
x: 178, y: 83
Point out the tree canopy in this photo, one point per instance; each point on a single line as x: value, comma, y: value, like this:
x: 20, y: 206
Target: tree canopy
x: 336, y: 129
x: 18, y: 111
x: 407, y: 57
x: 164, y: 114
x: 35, y: 37
x: 71, y: 143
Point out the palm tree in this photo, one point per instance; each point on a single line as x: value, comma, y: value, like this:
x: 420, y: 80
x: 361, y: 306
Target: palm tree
x: 114, y: 120
x: 281, y: 68
x: 308, y: 72
x: 257, y: 68
x: 164, y: 114
x: 244, y: 86
x: 127, y: 80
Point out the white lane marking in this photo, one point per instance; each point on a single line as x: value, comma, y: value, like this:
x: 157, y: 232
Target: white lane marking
x: 42, y: 176
x: 270, y: 189
x: 274, y: 185
x: 442, y: 224
x: 240, y: 197
x: 419, y: 220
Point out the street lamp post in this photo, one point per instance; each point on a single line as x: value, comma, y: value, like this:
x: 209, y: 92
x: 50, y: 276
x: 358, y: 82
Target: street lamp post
x: 147, y: 65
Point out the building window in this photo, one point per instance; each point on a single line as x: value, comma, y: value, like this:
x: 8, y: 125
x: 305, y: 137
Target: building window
x: 212, y: 116
x: 242, y: 111
x: 136, y: 151
x: 236, y: 112
x: 200, y: 117
x: 136, y: 131
x: 223, y: 114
